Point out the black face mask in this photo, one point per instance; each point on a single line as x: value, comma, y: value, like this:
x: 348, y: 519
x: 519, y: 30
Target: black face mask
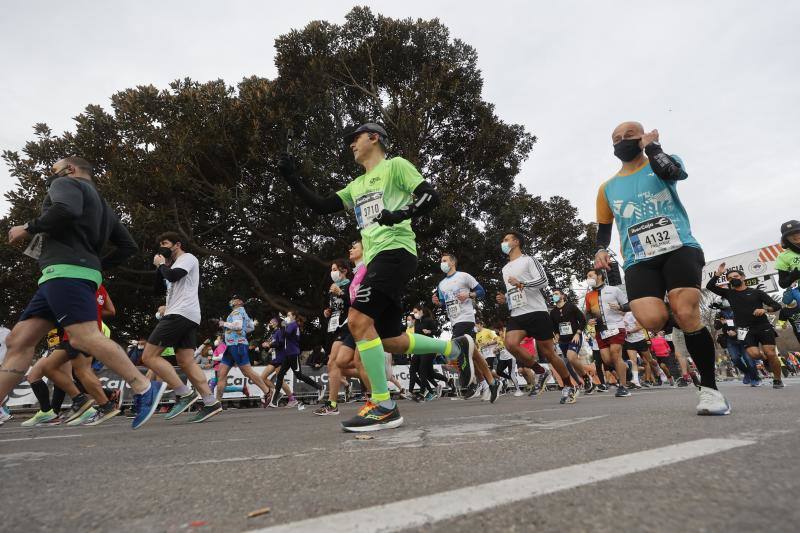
x: 736, y: 283
x: 166, y: 252
x: 627, y: 149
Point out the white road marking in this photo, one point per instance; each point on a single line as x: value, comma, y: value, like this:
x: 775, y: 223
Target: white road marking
x: 425, y: 510
x: 40, y: 438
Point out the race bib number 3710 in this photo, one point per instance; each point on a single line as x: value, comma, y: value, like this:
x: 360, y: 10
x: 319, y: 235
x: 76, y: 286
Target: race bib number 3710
x: 367, y: 209
x: 654, y: 237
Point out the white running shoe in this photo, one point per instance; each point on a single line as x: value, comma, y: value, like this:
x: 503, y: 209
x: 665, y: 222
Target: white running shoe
x: 712, y: 402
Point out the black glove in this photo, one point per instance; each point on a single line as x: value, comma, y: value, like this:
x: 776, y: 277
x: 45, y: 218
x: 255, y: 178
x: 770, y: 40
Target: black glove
x: 287, y: 167
x: 390, y: 218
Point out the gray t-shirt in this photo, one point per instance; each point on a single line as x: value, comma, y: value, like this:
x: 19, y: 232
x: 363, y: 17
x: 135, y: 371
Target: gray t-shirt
x: 448, y: 291
x: 182, y: 295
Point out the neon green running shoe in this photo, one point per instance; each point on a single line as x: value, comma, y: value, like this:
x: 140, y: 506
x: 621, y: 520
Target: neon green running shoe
x: 39, y: 418
x: 87, y: 415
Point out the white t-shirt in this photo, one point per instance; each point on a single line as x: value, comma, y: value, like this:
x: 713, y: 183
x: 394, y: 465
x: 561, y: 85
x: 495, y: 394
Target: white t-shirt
x: 3, y: 334
x: 182, y: 297
x: 630, y: 323
x: 528, y: 271
x: 612, y: 318
x: 449, y: 289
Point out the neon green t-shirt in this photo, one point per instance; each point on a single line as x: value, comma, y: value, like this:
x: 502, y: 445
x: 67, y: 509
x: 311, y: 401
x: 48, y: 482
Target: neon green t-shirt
x: 390, y: 185
x: 787, y: 261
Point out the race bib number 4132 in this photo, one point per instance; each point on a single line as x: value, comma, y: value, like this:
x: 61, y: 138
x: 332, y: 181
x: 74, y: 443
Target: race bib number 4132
x: 367, y: 209
x: 654, y: 237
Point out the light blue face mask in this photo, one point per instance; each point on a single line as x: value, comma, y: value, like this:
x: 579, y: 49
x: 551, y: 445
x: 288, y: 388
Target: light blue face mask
x: 445, y: 266
x: 505, y: 247
x: 556, y: 298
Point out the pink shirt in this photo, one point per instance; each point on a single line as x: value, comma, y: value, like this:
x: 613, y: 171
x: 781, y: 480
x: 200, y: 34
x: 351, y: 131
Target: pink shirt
x: 659, y: 346
x: 529, y: 344
x: 358, y: 276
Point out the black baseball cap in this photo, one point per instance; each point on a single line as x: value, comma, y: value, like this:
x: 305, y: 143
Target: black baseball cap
x: 369, y: 127
x: 787, y: 228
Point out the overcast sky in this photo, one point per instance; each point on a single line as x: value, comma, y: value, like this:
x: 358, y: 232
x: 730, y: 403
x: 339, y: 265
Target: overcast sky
x: 719, y: 79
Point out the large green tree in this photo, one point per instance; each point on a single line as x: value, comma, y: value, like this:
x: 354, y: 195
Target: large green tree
x: 199, y: 158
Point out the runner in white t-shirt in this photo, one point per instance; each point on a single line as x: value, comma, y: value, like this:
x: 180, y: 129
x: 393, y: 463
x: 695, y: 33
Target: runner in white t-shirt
x: 525, y: 282
x: 178, y: 329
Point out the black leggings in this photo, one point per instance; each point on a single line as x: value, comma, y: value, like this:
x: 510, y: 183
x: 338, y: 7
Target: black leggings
x: 292, y: 362
x: 429, y: 375
x: 415, y: 375
x: 598, y: 366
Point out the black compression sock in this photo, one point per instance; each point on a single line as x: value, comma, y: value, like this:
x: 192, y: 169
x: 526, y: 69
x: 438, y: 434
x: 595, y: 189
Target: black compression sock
x: 58, y: 399
x: 700, y: 345
x: 42, y: 393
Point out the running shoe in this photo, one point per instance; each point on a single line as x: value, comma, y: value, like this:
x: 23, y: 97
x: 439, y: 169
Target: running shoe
x: 777, y: 384
x: 182, y: 403
x: 418, y: 397
x: 633, y: 385
x: 712, y: 402
x: 493, y: 391
x: 102, y: 414
x: 83, y: 418
x: 292, y: 402
x: 486, y: 394
x: 406, y: 395
x: 41, y: 417
x: 746, y: 380
x: 518, y: 393
x: 326, y: 410
x: 206, y: 412
x: 5, y: 415
x: 430, y: 396
x: 682, y: 382
x: 322, y: 392
x: 77, y: 409
x: 573, y: 395
x: 588, y: 386
x: 622, y: 392
x: 602, y: 388
x: 756, y: 382
x: 646, y: 384
x: 564, y: 395
x: 466, y: 370
x: 374, y: 417
x: 146, y: 404
x: 542, y: 380
x: 473, y: 392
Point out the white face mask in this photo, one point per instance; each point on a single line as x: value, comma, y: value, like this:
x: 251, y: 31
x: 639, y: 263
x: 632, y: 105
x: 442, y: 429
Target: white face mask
x: 417, y: 315
x: 591, y: 282
x: 216, y: 342
x: 445, y: 266
x: 335, y: 275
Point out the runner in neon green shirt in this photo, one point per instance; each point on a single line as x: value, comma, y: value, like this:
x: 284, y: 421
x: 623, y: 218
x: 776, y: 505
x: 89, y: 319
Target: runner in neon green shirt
x: 788, y: 263
x: 384, y: 200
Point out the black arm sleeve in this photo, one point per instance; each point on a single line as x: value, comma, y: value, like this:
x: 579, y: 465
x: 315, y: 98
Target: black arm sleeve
x: 323, y: 205
x: 426, y: 199
x: 603, y: 235
x: 124, y: 246
x: 171, y: 274
x: 664, y: 166
x: 787, y: 277
x: 580, y: 319
x: 160, y: 287
x: 712, y: 286
x: 52, y: 220
x: 626, y: 307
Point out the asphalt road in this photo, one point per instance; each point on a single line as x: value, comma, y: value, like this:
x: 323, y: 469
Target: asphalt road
x: 174, y: 476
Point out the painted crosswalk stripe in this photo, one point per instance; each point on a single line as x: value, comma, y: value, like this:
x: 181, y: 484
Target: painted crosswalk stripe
x: 417, y: 512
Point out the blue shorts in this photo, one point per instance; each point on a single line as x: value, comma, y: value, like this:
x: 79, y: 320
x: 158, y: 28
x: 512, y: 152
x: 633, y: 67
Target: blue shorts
x: 571, y: 346
x: 236, y: 355
x: 64, y: 301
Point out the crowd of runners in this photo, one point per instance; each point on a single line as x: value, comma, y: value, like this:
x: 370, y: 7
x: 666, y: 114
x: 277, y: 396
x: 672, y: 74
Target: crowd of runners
x: 613, y: 335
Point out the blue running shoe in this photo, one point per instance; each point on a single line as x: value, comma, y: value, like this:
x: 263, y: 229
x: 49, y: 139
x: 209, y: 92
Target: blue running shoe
x: 145, y: 404
x: 746, y: 380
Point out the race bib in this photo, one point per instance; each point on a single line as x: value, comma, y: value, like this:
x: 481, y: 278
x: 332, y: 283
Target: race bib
x: 654, y: 237
x: 487, y: 352
x: 729, y: 323
x: 367, y: 209
x: 609, y: 333
x: 741, y: 333
x: 34, y: 249
x: 565, y: 328
x: 516, y: 299
x: 453, y: 308
x: 333, y: 323
x: 668, y: 337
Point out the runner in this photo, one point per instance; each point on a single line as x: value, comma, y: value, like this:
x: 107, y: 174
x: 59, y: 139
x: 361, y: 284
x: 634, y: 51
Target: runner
x: 568, y: 327
x: 635, y: 346
x: 287, y: 343
x: 237, y: 326
x: 752, y: 326
x: 736, y: 349
x: 425, y: 324
x: 382, y: 201
x: 68, y: 238
x: 178, y: 272
x: 788, y: 262
x: 526, y: 282
x: 455, y: 294
x: 661, y: 255
x: 607, y: 305
x: 665, y: 357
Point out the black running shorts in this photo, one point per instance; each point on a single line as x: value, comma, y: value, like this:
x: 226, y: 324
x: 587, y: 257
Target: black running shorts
x: 381, y: 293
x: 657, y: 276
x: 174, y: 331
x: 463, y: 328
x: 536, y: 324
x: 760, y: 337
